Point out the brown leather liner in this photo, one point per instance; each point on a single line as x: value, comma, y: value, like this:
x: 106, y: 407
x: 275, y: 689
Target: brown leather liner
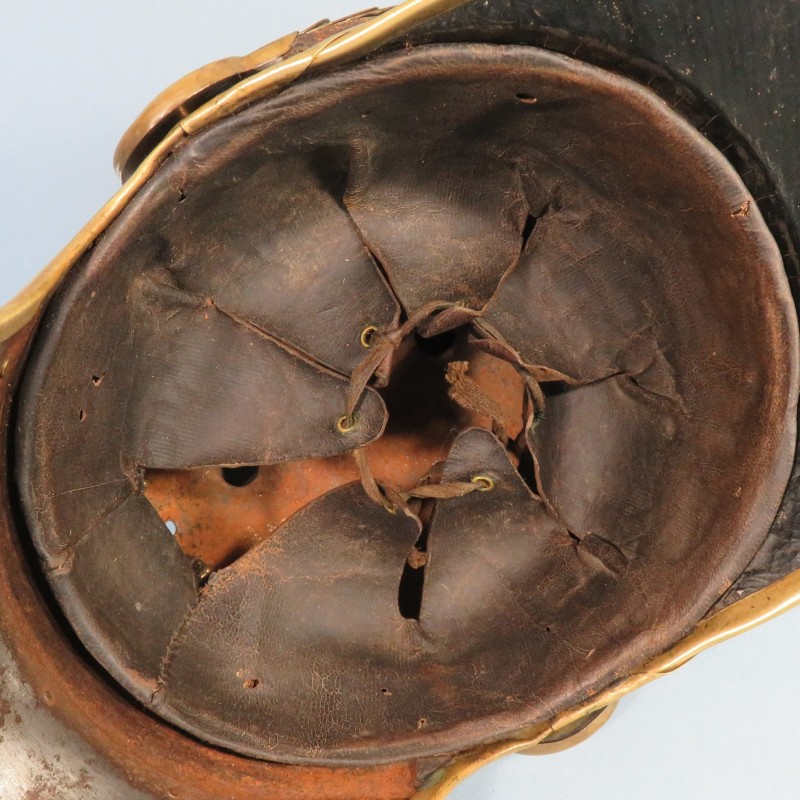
x: 589, y: 229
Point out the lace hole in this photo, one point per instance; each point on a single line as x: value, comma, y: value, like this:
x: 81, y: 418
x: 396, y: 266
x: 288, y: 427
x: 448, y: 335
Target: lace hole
x: 485, y: 483
x: 346, y: 423
x: 367, y: 334
x: 239, y: 476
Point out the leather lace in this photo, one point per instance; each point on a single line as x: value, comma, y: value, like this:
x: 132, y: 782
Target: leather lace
x: 463, y: 390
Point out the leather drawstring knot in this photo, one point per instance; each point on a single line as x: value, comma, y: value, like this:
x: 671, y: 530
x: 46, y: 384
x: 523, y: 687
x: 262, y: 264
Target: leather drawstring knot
x: 392, y: 500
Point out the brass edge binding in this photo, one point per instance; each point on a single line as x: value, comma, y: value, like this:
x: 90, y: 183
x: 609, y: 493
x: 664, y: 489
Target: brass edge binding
x: 338, y: 49
x: 179, y: 99
x: 760, y: 607
x: 572, y: 735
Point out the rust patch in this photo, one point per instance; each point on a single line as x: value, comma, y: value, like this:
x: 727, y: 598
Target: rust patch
x: 5, y: 710
x: 218, y: 522
x: 55, y: 783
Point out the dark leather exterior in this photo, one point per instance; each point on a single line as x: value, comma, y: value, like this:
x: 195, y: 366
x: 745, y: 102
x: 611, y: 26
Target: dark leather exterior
x: 206, y: 327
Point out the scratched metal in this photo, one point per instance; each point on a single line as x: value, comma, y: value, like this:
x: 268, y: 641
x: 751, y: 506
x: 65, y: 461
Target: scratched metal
x: 40, y: 758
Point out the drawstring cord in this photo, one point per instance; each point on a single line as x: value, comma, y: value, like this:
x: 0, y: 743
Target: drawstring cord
x: 392, y: 500
x: 463, y: 390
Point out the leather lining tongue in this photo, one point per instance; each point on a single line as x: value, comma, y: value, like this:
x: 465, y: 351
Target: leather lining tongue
x: 496, y: 562
x: 257, y: 410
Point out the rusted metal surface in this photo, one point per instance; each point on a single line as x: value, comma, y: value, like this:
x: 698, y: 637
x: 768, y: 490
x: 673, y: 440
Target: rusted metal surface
x: 218, y: 522
x: 40, y: 757
x: 70, y: 734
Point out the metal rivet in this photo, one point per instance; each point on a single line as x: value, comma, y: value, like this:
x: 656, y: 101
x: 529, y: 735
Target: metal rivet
x: 485, y: 483
x: 346, y: 423
x: 367, y: 334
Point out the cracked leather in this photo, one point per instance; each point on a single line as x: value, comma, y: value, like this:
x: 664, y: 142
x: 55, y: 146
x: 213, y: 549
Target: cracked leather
x: 576, y: 220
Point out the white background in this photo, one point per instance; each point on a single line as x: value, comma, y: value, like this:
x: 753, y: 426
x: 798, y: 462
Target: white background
x: 74, y: 75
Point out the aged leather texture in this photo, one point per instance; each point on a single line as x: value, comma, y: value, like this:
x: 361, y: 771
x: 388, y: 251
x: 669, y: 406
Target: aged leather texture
x: 569, y: 220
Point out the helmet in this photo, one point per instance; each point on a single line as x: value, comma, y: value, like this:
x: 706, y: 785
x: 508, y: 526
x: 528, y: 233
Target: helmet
x: 366, y: 432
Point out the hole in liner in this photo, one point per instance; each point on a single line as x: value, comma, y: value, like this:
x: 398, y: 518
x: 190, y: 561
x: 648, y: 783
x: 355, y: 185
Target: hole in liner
x: 409, y: 597
x: 436, y: 345
x: 527, y: 230
x: 239, y: 476
x: 171, y: 526
x: 412, y: 582
x: 527, y: 471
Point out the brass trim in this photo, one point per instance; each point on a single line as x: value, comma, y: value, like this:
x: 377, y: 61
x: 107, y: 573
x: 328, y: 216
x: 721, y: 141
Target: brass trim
x: 338, y: 49
x: 174, y: 99
x: 585, y: 729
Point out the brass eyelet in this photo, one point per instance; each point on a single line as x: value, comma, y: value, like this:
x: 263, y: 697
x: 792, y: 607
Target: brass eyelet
x: 367, y: 334
x: 346, y: 423
x: 485, y: 483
